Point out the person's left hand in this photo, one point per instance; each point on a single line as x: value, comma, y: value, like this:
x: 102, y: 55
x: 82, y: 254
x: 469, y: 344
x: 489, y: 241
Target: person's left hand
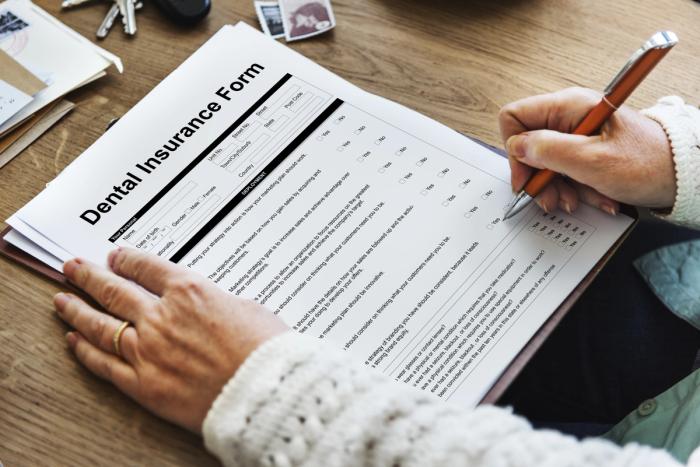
x: 187, y: 339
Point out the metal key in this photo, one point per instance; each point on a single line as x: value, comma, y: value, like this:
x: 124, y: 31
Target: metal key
x: 129, y: 17
x: 110, y: 18
x: 72, y: 3
x: 108, y: 21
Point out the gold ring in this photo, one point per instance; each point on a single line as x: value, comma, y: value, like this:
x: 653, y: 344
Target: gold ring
x: 118, y: 335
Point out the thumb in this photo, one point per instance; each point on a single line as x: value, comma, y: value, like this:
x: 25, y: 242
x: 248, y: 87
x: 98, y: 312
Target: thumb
x: 573, y: 155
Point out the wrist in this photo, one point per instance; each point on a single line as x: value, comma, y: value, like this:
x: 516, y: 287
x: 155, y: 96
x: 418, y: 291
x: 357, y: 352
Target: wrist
x: 252, y: 386
x: 681, y: 124
x: 665, y: 172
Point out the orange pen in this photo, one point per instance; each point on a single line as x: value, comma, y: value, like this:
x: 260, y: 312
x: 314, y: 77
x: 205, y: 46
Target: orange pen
x: 627, y: 79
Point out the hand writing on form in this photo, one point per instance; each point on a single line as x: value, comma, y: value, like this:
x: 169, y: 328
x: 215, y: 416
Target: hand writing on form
x: 630, y: 161
x: 187, y: 339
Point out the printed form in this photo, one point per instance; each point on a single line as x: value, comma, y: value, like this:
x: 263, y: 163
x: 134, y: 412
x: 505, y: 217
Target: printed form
x: 356, y: 220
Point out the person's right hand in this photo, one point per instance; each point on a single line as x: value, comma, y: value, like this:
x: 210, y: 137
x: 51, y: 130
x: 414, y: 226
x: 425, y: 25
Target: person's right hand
x: 630, y: 161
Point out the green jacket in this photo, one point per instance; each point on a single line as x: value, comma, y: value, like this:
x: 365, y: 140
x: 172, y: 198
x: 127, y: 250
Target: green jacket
x: 670, y: 421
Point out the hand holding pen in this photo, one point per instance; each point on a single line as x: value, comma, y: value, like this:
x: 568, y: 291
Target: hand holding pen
x: 629, y: 160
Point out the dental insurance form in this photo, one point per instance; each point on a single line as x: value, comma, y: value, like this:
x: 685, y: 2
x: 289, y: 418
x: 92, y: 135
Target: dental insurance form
x: 355, y: 219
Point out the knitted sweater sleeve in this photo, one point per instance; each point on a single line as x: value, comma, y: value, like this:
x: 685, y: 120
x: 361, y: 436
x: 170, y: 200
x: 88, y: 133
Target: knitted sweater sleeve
x: 296, y: 402
x: 682, y: 125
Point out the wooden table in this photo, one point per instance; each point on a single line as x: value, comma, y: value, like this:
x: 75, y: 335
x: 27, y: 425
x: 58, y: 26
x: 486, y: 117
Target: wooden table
x: 457, y: 61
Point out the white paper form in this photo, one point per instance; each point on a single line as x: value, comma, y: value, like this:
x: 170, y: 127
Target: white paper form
x: 33, y: 235
x: 23, y: 243
x: 354, y: 219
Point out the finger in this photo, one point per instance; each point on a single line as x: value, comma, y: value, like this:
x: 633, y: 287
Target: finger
x: 574, y: 155
x: 150, y: 271
x: 519, y: 173
x: 548, y: 199
x: 114, y: 293
x: 103, y: 364
x: 97, y: 327
x: 560, y: 111
x: 568, y: 198
x: 593, y: 198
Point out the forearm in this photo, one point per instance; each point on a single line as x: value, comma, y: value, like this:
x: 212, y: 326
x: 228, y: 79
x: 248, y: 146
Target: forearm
x: 681, y: 122
x: 296, y: 402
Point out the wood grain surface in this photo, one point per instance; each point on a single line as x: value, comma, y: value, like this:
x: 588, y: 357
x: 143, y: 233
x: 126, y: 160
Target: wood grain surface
x: 456, y: 61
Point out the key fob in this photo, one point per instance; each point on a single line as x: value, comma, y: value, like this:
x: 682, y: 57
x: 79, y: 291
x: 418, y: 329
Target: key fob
x: 184, y: 11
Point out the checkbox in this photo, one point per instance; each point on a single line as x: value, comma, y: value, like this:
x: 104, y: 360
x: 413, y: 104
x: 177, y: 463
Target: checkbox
x: 398, y: 153
x: 378, y: 142
x: 468, y: 215
x: 402, y: 180
x: 357, y: 132
x: 441, y: 174
x: 419, y: 163
x: 424, y: 192
x: 462, y: 185
x: 360, y: 159
x: 341, y: 148
x: 381, y: 170
x: 489, y: 226
x: 319, y: 138
x: 445, y: 203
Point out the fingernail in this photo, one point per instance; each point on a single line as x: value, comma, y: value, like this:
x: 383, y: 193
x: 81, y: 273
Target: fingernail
x: 544, y: 206
x: 516, y: 145
x: 70, y: 268
x: 610, y: 209
x: 567, y: 207
x: 112, y: 256
x: 60, y: 300
x: 71, y: 338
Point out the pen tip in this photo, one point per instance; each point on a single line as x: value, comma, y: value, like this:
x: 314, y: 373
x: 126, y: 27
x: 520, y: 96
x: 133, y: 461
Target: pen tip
x: 517, y: 204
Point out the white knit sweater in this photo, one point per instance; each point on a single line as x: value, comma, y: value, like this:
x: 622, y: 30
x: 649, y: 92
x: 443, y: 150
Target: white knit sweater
x: 296, y: 402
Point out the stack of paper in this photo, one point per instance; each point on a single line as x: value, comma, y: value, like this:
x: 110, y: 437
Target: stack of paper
x: 41, y: 60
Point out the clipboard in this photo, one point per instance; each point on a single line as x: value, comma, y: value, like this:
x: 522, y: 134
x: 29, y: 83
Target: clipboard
x: 509, y: 374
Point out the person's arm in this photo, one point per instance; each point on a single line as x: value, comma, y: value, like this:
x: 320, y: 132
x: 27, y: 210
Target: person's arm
x: 271, y: 397
x: 681, y: 122
x: 296, y: 402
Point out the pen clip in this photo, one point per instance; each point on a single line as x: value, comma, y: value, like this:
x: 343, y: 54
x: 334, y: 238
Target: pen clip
x: 660, y: 40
